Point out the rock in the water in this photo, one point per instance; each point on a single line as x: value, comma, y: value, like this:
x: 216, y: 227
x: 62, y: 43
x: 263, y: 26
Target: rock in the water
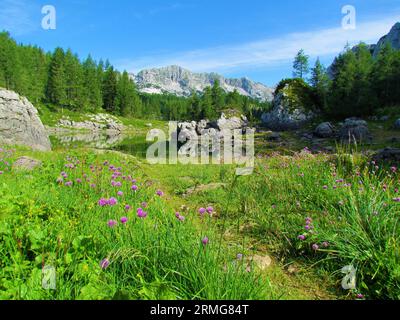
x: 397, y: 124
x: 20, y: 123
x: 325, y: 130
x: 26, y: 163
x: 354, y: 129
x: 288, y: 112
x: 389, y: 155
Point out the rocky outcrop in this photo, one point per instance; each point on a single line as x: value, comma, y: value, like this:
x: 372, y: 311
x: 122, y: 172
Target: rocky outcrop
x: 192, y: 133
x: 20, y: 123
x: 182, y: 82
x: 325, y: 130
x: 354, y: 129
x: 286, y: 115
x: 96, y: 122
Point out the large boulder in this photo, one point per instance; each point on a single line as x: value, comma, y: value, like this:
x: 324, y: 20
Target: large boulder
x: 354, y: 129
x: 292, y: 106
x: 231, y: 123
x: 20, y: 123
x: 388, y: 155
x: 325, y: 130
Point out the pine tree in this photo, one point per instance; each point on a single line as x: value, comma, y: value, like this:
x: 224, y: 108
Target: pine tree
x: 127, y: 100
x: 234, y: 100
x: 56, y: 87
x: 195, y: 107
x: 217, y: 95
x: 10, y: 69
x: 92, y: 85
x: 300, y: 65
x: 74, y: 80
x: 207, y: 111
x: 320, y: 83
x: 110, y: 89
x: 362, y: 93
x: 381, y: 75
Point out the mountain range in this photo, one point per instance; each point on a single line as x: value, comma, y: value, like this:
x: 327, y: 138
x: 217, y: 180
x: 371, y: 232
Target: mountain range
x: 182, y: 82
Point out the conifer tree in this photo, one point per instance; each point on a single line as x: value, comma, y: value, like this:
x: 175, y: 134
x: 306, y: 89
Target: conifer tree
x: 92, y: 85
x: 320, y: 83
x: 300, y: 65
x: 56, y: 87
x: 110, y: 89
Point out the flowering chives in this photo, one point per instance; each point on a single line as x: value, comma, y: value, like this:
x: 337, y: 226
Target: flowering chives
x: 104, y: 264
x: 112, y: 223
x: 205, y: 241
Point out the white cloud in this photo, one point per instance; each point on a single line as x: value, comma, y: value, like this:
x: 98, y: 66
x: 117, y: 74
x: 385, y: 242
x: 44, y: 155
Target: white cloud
x: 16, y: 17
x: 268, y: 52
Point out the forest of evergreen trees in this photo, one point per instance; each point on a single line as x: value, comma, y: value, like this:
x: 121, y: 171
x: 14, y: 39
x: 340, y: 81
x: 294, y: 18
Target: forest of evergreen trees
x: 62, y: 80
x: 357, y: 83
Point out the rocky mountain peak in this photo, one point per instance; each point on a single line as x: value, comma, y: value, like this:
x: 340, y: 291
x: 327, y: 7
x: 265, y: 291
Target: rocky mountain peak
x: 182, y: 82
x: 393, y: 37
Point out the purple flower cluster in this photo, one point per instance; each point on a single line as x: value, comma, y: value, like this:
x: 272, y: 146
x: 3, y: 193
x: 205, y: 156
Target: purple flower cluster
x: 141, y: 213
x: 107, y: 202
x: 203, y: 211
x: 179, y: 216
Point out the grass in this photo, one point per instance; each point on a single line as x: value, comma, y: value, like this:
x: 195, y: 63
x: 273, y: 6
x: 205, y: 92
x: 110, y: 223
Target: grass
x: 47, y: 222
x: 345, y: 208
x: 352, y: 207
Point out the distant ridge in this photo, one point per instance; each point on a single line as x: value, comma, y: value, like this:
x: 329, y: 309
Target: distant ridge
x: 182, y: 82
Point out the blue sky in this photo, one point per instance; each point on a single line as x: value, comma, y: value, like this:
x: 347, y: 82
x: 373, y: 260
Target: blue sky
x: 253, y: 38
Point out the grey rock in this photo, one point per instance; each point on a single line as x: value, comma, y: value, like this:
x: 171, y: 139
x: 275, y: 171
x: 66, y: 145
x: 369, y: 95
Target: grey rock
x: 97, y: 122
x: 233, y: 123
x: 20, y: 123
x: 285, y: 117
x: 325, y: 130
x: 202, y: 125
x: 179, y: 81
x: 26, y: 163
x: 354, y: 129
x: 389, y: 155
